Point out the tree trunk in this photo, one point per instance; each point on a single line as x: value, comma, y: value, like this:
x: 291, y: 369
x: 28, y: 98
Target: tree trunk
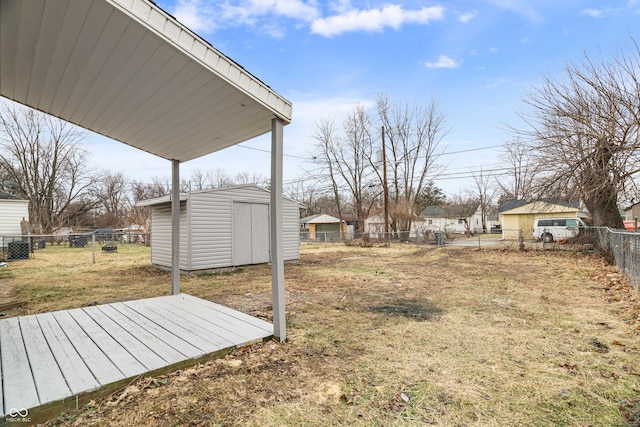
x: 604, y: 208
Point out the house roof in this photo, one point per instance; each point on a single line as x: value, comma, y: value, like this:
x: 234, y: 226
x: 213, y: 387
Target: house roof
x: 449, y: 211
x: 540, y: 207
x: 306, y: 219
x: 130, y: 71
x: 435, y: 211
x: 324, y: 219
x: 512, y: 204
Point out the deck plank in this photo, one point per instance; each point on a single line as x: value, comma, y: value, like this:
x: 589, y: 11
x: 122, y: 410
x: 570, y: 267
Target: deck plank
x: 19, y: 386
x: 50, y: 383
x: 187, y: 319
x: 47, y: 359
x: 175, y: 326
x: 232, y: 329
x: 73, y: 367
x: 126, y: 363
x: 234, y: 314
x: 149, y: 335
x: 102, y: 368
x: 143, y: 354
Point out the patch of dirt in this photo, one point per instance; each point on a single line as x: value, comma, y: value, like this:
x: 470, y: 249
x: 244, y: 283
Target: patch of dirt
x: 419, y: 309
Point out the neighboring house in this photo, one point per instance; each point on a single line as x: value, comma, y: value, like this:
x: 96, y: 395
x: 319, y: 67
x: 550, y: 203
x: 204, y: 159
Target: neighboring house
x: 632, y: 211
x: 374, y: 225
x: 452, y: 218
x: 13, y: 210
x: 323, y: 226
x: 516, y: 215
x: 221, y: 228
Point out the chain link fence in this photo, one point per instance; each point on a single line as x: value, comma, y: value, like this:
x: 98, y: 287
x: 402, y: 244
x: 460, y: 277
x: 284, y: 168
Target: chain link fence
x: 625, y: 249
x: 22, y: 247
x: 418, y: 238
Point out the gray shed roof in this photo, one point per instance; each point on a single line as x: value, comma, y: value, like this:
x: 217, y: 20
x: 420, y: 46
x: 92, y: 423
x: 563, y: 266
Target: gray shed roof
x: 185, y: 196
x: 128, y: 70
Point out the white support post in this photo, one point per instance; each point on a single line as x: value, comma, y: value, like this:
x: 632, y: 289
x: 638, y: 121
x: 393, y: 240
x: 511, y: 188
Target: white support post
x: 175, y: 227
x: 277, y: 257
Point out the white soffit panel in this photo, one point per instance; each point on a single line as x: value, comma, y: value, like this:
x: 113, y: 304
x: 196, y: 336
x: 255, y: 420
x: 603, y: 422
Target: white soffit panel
x: 129, y: 71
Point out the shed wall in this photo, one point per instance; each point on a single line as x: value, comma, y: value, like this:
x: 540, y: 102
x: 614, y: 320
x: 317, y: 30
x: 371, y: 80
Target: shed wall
x: 11, y: 214
x: 206, y: 238
x: 161, y: 236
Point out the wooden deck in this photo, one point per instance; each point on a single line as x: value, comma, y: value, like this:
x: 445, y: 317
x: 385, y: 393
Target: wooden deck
x: 51, y: 362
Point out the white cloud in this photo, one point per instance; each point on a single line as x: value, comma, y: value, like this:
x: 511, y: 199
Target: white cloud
x: 200, y: 17
x: 594, y: 13
x: 466, y: 17
x: 247, y: 11
x: 393, y: 16
x: 443, y: 61
x: 194, y: 15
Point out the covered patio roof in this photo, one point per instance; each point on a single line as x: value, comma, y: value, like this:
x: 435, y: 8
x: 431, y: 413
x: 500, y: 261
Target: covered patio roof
x: 129, y: 71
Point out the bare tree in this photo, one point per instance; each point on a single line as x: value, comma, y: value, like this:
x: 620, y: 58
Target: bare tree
x: 253, y: 178
x: 111, y: 195
x: 346, y: 157
x: 483, y: 192
x: 414, y: 137
x: 518, y: 182
x: 585, y: 133
x: 44, y: 155
x: 326, y: 144
x: 312, y: 198
x: 140, y: 215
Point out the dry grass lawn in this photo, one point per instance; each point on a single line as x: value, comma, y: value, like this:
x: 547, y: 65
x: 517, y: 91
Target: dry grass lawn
x: 378, y: 337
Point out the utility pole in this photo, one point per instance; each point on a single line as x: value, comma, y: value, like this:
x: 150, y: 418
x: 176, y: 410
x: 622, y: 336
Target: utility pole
x: 384, y: 187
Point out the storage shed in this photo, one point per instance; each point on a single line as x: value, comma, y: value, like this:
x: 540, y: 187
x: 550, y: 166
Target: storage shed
x: 221, y: 228
x: 13, y: 210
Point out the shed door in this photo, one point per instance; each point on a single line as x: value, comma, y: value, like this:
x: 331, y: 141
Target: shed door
x: 250, y: 233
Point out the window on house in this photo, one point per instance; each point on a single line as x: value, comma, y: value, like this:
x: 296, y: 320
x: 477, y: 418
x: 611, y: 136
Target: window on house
x: 430, y: 221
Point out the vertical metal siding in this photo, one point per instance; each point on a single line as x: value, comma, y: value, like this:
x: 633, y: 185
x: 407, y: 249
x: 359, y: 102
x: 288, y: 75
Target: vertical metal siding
x: 161, y: 235
x: 208, y: 243
x: 211, y: 231
x: 291, y: 230
x: 11, y: 214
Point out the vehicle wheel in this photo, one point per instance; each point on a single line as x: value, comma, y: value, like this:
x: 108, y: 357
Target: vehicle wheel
x: 547, y: 238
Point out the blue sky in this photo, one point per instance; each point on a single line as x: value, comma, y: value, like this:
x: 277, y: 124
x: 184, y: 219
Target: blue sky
x: 477, y: 58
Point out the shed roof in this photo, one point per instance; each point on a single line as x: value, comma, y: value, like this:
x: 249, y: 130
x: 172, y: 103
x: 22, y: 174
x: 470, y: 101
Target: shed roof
x: 128, y: 70
x: 184, y: 196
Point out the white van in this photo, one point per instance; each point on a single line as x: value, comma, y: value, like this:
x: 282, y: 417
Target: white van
x: 555, y: 229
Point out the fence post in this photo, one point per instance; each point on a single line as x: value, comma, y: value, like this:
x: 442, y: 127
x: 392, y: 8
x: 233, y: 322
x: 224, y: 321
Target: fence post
x: 521, y: 240
x: 93, y: 247
x: 623, y: 254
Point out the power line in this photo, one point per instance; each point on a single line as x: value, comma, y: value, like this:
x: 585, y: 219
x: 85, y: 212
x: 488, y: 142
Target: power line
x: 470, y: 150
x: 269, y: 151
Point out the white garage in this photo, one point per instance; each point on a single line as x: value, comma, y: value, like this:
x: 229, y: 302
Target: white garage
x: 221, y: 228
